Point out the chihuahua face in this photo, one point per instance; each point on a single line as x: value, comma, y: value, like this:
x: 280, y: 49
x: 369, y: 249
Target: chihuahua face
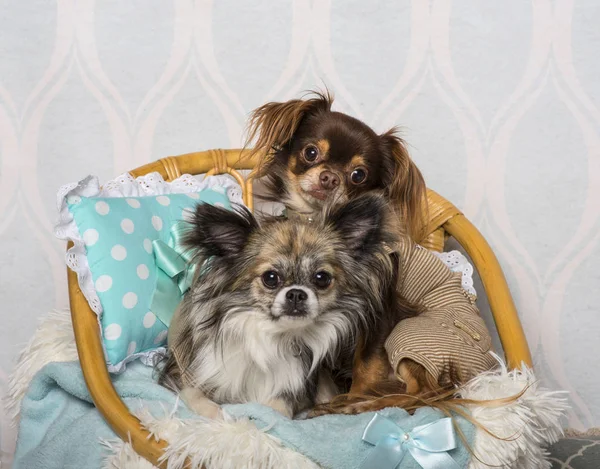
x: 311, y: 155
x: 279, y: 300
x: 292, y: 273
x: 331, y: 156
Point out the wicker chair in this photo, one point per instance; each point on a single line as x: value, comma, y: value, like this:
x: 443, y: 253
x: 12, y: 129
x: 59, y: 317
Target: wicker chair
x: 444, y: 220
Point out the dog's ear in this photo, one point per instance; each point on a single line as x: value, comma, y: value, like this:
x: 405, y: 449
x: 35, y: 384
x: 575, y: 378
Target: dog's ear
x: 216, y: 231
x: 404, y: 185
x: 361, y: 222
x: 273, y: 125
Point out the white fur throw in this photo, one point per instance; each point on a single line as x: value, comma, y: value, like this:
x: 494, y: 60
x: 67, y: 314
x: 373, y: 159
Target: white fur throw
x: 523, y: 427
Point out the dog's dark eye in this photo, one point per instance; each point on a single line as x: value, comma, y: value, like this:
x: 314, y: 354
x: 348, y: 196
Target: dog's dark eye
x: 270, y: 279
x: 311, y: 153
x: 322, y: 279
x: 358, y: 176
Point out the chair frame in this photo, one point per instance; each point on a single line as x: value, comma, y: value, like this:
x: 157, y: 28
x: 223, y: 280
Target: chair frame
x: 444, y: 220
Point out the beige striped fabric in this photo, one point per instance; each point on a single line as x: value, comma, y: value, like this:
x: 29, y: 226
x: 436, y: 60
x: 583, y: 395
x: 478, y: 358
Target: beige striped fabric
x: 449, y: 338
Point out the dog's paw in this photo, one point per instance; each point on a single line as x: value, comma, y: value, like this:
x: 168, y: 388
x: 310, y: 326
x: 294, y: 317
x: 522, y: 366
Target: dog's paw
x: 318, y: 412
x: 282, y: 407
x: 202, y: 405
x: 356, y: 407
x: 349, y: 409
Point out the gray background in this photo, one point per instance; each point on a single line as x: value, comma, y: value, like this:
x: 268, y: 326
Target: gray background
x: 500, y: 102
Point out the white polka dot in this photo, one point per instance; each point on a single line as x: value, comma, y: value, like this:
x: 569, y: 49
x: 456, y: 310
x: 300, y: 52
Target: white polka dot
x: 102, y: 208
x: 131, y: 348
x: 157, y: 223
x: 73, y: 199
x: 129, y: 300
x: 148, y: 246
x: 118, y: 252
x: 103, y: 283
x: 160, y: 337
x: 127, y: 225
x: 90, y: 237
x: 142, y: 271
x: 149, y: 319
x: 163, y: 200
x: 219, y: 189
x: 133, y: 203
x: 187, y: 214
x: 193, y: 195
x: 112, y: 332
x: 219, y: 204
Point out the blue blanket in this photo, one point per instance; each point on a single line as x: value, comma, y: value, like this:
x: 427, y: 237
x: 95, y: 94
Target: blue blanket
x: 60, y: 428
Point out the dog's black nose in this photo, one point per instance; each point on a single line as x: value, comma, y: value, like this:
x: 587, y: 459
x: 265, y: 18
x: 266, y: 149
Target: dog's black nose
x: 329, y: 181
x: 296, y: 296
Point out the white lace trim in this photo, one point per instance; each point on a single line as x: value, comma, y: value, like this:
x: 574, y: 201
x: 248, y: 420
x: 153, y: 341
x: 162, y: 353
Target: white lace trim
x: 456, y: 262
x: 122, y: 186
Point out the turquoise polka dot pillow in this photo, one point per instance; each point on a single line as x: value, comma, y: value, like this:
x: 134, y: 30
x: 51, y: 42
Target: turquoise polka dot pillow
x: 120, y: 234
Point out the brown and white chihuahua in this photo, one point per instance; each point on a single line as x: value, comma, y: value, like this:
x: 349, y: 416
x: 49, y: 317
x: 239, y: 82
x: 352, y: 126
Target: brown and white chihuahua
x: 310, y: 155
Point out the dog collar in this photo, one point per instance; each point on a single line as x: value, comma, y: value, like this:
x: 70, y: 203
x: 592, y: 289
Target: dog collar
x: 293, y: 215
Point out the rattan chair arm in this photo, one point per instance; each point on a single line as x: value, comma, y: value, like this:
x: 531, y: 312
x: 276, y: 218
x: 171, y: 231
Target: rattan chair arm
x: 501, y: 303
x: 99, y: 384
x: 199, y: 163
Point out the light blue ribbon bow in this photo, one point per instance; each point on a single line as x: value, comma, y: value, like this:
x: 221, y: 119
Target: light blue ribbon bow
x: 428, y: 444
x: 175, y: 274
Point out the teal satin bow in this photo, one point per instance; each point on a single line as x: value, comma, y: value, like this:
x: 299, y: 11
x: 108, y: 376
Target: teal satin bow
x: 175, y: 274
x: 428, y: 444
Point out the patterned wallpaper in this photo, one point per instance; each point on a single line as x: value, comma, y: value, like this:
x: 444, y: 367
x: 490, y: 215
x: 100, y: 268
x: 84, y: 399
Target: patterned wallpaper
x: 500, y: 102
